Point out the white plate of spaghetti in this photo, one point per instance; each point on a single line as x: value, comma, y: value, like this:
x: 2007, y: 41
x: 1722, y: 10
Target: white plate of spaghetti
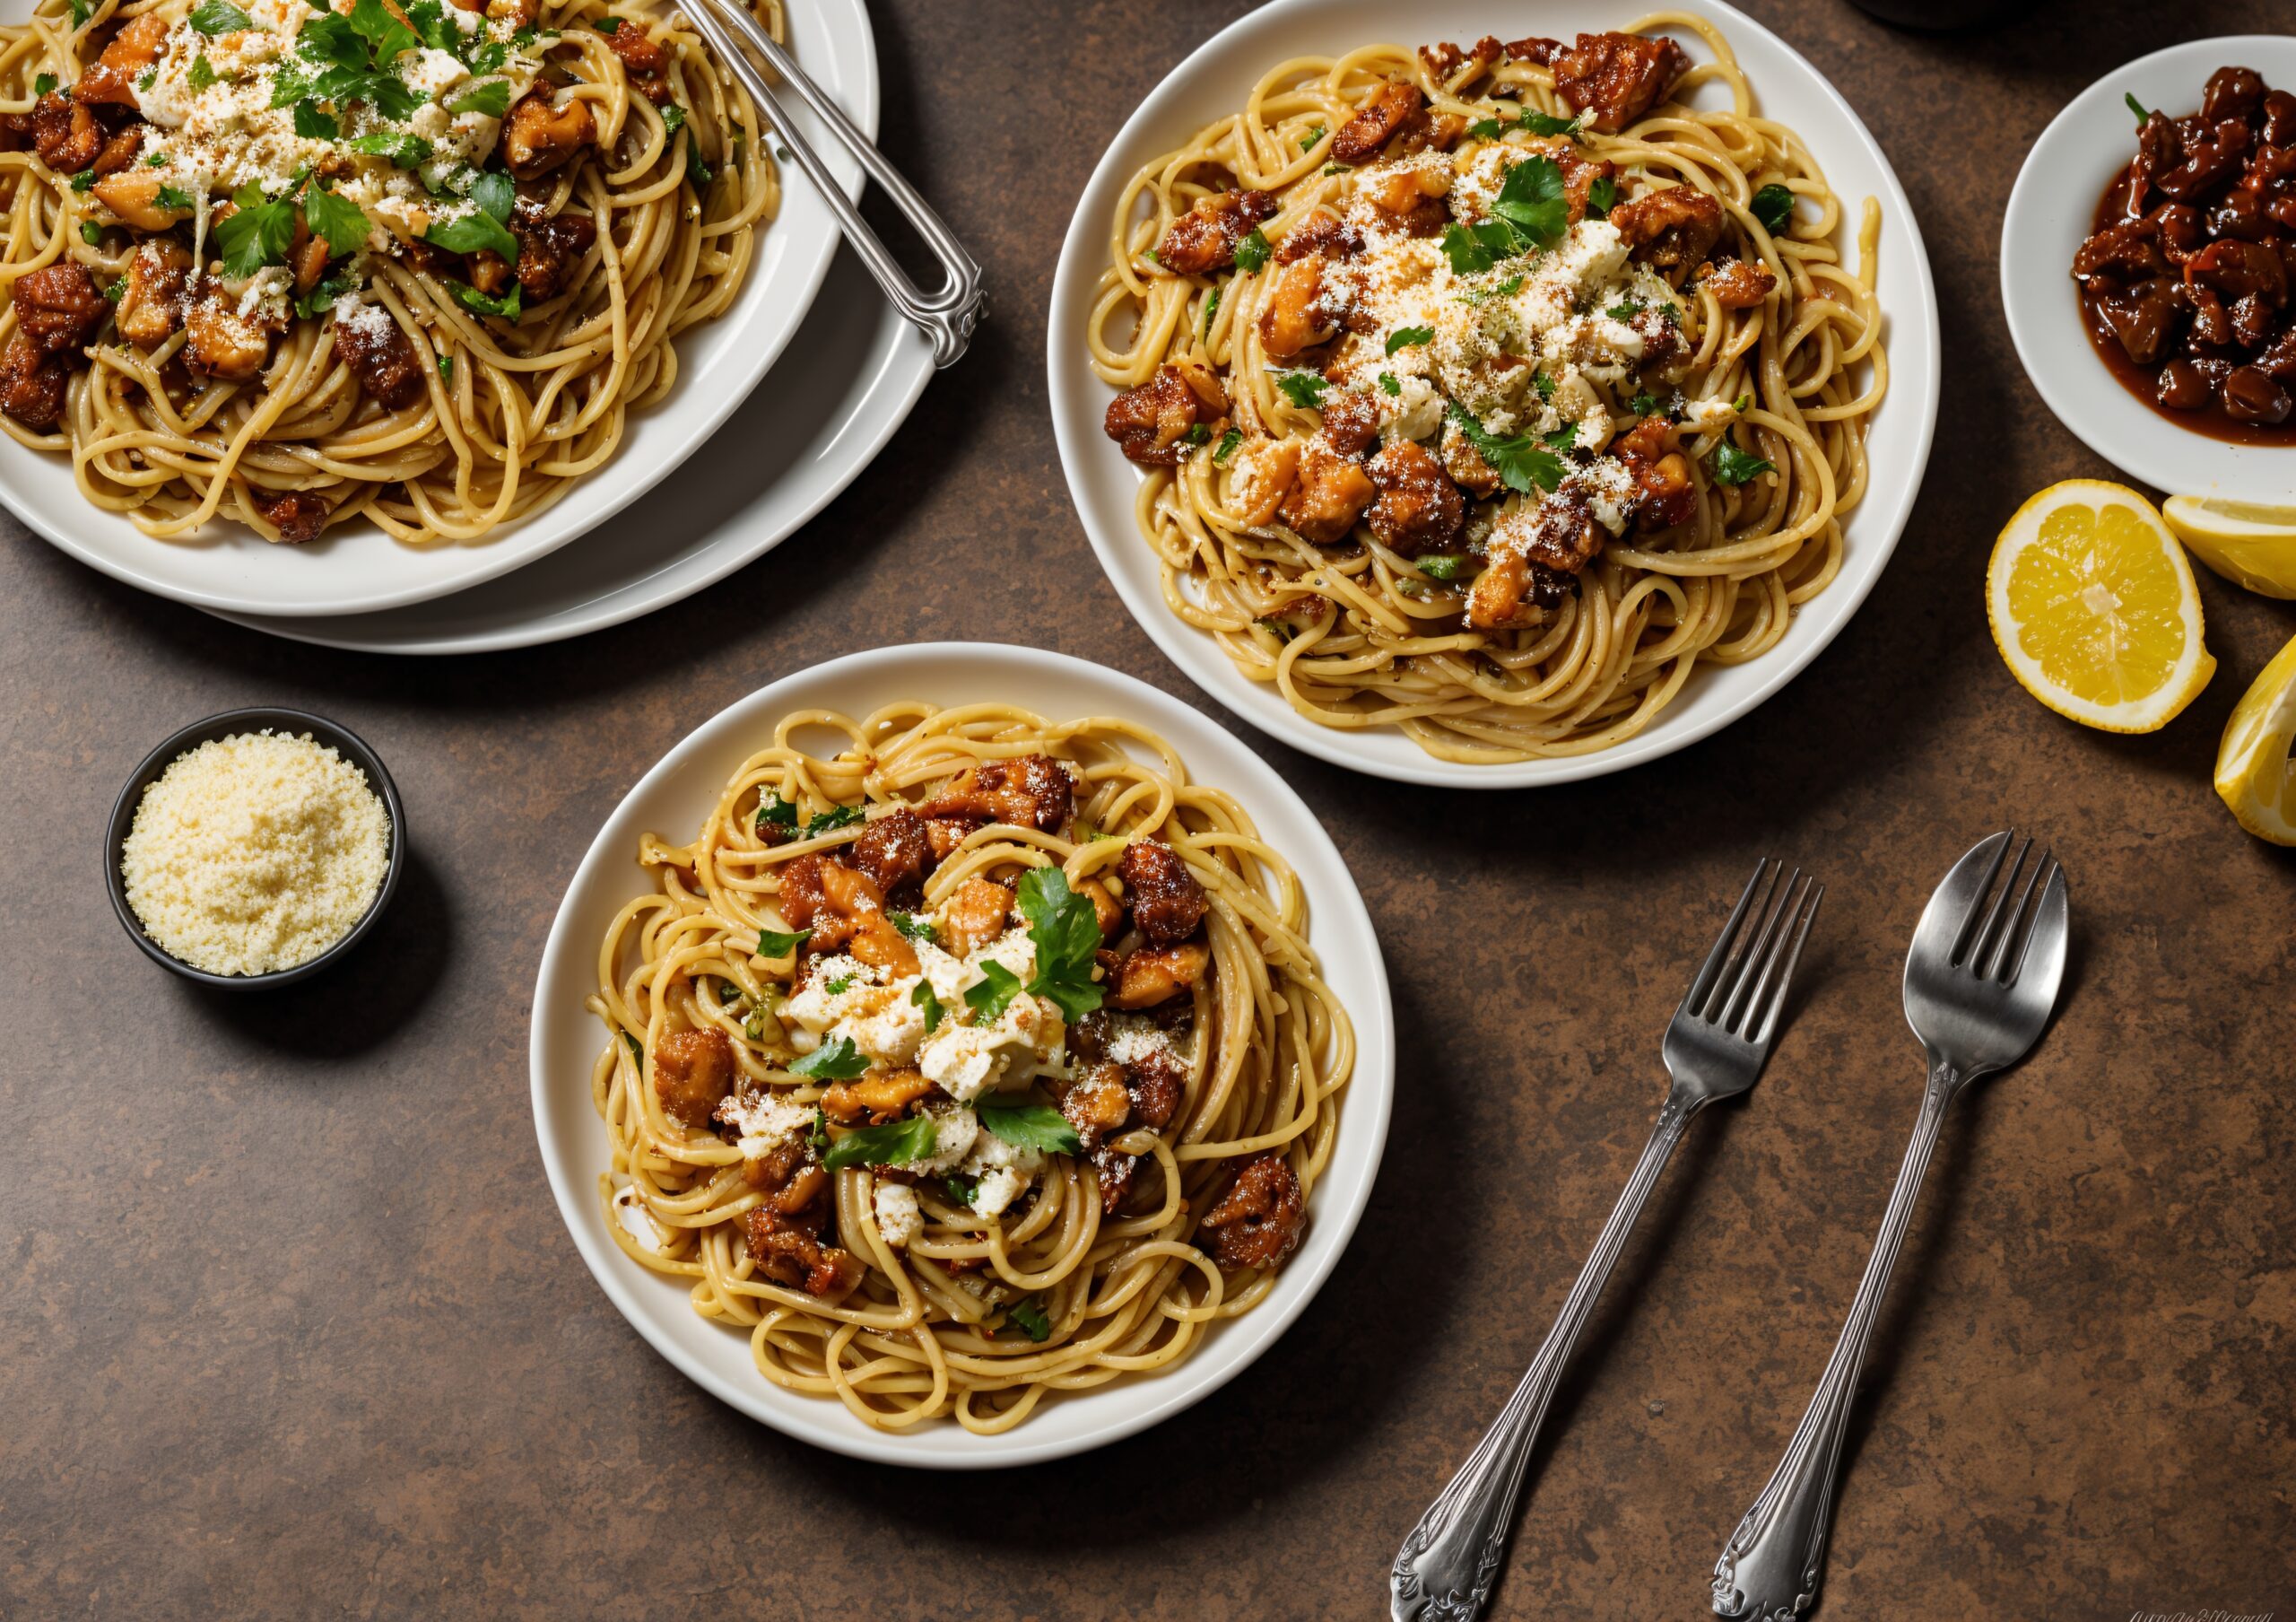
x: 321, y: 311
x: 961, y: 1056
x: 1492, y: 396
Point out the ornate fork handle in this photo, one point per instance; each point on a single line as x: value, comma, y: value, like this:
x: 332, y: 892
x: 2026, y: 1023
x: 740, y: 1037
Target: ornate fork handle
x: 1768, y: 1569
x: 1448, y: 1564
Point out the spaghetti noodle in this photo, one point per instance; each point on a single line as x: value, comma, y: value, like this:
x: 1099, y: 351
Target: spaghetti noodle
x: 1487, y: 391
x: 984, y: 1059
x: 289, y: 265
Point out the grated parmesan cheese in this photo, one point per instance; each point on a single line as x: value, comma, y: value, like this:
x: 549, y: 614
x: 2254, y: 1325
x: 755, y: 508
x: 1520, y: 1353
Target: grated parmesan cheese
x: 255, y: 852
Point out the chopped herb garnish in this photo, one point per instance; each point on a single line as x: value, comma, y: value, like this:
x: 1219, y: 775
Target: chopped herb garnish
x: 834, y: 818
x: 1198, y: 433
x: 202, y: 73
x: 1741, y: 402
x: 897, y: 1144
x: 1227, y: 445
x: 1030, y: 1126
x: 1253, y: 251
x: 404, y: 150
x: 1625, y: 309
x: 780, y: 943
x: 1065, y: 929
x: 1564, y: 437
x: 384, y: 34
x: 220, y: 17
x: 774, y: 812
x: 1441, y: 565
x: 1773, y: 205
x: 962, y: 1189
x: 326, y: 292
x: 147, y: 79
x: 1643, y: 404
x: 912, y: 926
x: 924, y: 998
x: 1211, y: 308
x: 1303, y: 389
x: 1532, y: 210
x: 314, y: 125
x: 636, y: 1050
x: 994, y: 993
x: 837, y: 1060
x: 1307, y: 142
x: 608, y: 26
x: 1544, y: 384
x: 81, y: 12
x: 1734, y: 466
x: 44, y: 85
x: 157, y: 159
x: 817, y: 1135
x: 491, y: 99
x: 673, y: 118
x: 1402, y: 337
x: 1029, y: 1318
x: 840, y: 984
x: 1334, y: 168
x: 2136, y: 106
x: 175, y: 197
x: 1387, y: 384
x: 474, y: 231
x: 697, y: 170
x: 1521, y: 462
x: 447, y: 369
x: 117, y: 289
x: 1602, y: 196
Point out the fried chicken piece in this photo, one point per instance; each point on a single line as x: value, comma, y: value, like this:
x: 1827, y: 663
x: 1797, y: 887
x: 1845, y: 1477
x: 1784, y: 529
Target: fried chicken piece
x: 1376, y: 123
x: 1445, y: 61
x: 976, y: 915
x: 1258, y: 1221
x: 1618, y: 77
x: 297, y: 515
x: 65, y: 133
x: 1113, y: 1169
x: 549, y: 245
x: 539, y: 135
x: 1419, y: 510
x: 1097, y: 1104
x: 1667, y: 493
x: 1412, y: 201
x: 1351, y: 422
x: 1156, y: 974
x: 1466, y: 465
x: 1298, y: 313
x: 1330, y: 494
x: 643, y: 58
x: 134, y: 195
x: 32, y: 386
x: 1739, y: 283
x: 118, y: 150
x: 1166, y: 900
x: 221, y: 342
x: 380, y: 357
x: 1536, y: 49
x: 894, y: 850
x: 1107, y: 910
x: 693, y: 1070
x: 1150, y: 424
x: 111, y: 82
x: 1321, y: 234
x: 845, y: 910
x: 1024, y: 791
x: 1670, y: 227
x: 58, y: 306
x: 789, y: 1250
x: 882, y: 1095
x: 1205, y: 237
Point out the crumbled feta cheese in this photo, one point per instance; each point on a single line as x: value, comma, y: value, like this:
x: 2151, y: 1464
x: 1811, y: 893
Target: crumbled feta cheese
x: 766, y: 1120
x: 638, y: 1222
x: 900, y: 1218
x: 966, y: 1061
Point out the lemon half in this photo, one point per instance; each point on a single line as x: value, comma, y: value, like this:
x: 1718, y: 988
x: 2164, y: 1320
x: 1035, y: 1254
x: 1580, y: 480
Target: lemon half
x: 2248, y: 543
x: 2253, y: 773
x: 2094, y: 609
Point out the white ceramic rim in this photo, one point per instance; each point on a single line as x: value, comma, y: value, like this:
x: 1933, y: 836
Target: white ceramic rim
x: 1215, y: 77
x: 358, y: 569
x: 679, y: 790
x: 895, y: 368
x: 2050, y: 212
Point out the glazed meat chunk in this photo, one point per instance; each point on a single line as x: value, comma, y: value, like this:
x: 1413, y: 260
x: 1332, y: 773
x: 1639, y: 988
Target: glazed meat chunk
x: 1740, y: 284
x: 1351, y: 422
x: 1319, y: 233
x: 1166, y: 900
x: 65, y: 133
x: 693, y: 1070
x: 1205, y: 237
x: 1665, y: 493
x: 1258, y: 1221
x: 843, y: 909
x: 1376, y: 123
x: 1671, y: 227
x: 1444, y: 61
x: 893, y: 850
x: 58, y: 308
x: 1330, y: 494
x: 1157, y: 974
x: 539, y: 135
x: 379, y: 356
x: 549, y: 245
x: 1150, y: 424
x: 32, y: 387
x: 1097, y: 1104
x: 975, y: 914
x: 643, y: 58
x: 1418, y: 510
x: 1616, y: 78
x: 297, y: 515
x: 1298, y: 315
x: 1026, y: 791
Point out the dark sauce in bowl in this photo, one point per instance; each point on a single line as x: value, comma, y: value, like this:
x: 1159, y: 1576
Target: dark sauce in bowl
x: 2191, y: 211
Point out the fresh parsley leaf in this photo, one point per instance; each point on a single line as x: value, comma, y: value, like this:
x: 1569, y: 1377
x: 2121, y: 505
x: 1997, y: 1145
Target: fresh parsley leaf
x: 608, y: 26
x: 202, y: 73
x: 1625, y: 309
x: 81, y: 12
x: 1602, y: 196
x: 1227, y: 445
x: 774, y: 812
x: 1441, y: 565
x: 1198, y: 433
x: 1403, y: 337
x: 1488, y: 129
x: 1029, y: 1318
x: 1388, y: 386
x: 1066, y: 933
x: 673, y: 118
x: 1643, y: 404
x: 220, y: 17
x: 471, y: 232
x: 313, y: 124
x: 1473, y: 249
x: 147, y: 78
x: 924, y: 998
x: 1307, y: 142
x: 1773, y: 205
x: 1547, y: 123
x: 780, y: 943
x: 175, y: 197
x: 2136, y: 106
x: 257, y: 235
x: 697, y: 168
x: 338, y: 219
x: 487, y: 58
x: 84, y: 181
x: 1030, y: 1126
x: 429, y: 20
x: 1521, y: 462
x: 1544, y: 384
x: 1535, y: 201
x: 817, y: 1135
x: 494, y: 192
x: 329, y: 38
x: 1741, y: 402
x: 1211, y: 308
x: 961, y: 1188
x: 993, y: 994
x: 896, y: 1143
x: 326, y: 292
x: 1734, y: 466
x: 157, y: 159
x: 386, y: 35
x: 837, y: 1060
x: 912, y: 926
x: 1564, y: 437
x: 1253, y: 251
x: 447, y: 369
x: 840, y: 984
x: 44, y: 85
x: 90, y: 232
x: 404, y: 150
x: 1303, y: 389
x: 491, y: 99
x: 1507, y: 289
x: 834, y: 818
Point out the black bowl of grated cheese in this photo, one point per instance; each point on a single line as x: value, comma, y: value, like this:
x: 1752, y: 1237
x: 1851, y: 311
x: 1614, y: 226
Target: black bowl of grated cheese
x: 255, y: 848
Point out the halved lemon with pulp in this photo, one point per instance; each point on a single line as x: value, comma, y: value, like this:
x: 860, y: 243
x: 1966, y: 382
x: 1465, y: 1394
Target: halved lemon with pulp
x: 2248, y: 543
x: 2253, y: 773
x: 2094, y: 609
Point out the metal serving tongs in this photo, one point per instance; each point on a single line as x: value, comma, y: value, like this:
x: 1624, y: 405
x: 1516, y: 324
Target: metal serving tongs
x: 947, y: 317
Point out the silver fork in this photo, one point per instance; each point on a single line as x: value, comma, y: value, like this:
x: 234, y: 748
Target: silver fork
x: 947, y: 317
x: 1979, y: 983
x: 1715, y: 1048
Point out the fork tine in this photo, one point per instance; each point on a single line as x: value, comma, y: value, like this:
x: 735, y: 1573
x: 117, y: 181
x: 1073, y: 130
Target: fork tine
x: 1997, y: 914
x: 1695, y: 998
x: 1789, y: 896
x: 1963, y: 937
x: 2029, y: 913
x: 1734, y: 967
x: 1773, y: 1000
x: 1988, y: 963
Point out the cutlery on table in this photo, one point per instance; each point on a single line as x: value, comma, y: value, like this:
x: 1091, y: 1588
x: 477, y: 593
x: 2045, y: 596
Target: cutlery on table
x: 1979, y: 981
x: 947, y: 317
x: 1715, y: 1048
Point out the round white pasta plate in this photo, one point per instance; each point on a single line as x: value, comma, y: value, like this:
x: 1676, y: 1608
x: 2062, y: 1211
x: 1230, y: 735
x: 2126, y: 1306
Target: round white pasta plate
x: 357, y: 568
x: 1215, y: 80
x: 2051, y: 209
x: 674, y: 797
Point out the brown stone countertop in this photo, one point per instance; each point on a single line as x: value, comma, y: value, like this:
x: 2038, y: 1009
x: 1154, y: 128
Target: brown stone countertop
x: 290, y: 1328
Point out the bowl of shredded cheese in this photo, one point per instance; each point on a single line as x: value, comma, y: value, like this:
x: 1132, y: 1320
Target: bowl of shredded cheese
x: 255, y: 848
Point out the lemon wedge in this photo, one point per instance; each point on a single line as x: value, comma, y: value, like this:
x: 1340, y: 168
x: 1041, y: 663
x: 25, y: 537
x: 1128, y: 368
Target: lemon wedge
x: 2094, y: 609
x: 2253, y: 773
x: 2248, y: 543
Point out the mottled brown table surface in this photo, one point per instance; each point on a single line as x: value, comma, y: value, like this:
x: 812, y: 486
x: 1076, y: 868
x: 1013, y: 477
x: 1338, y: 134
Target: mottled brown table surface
x: 289, y: 1327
